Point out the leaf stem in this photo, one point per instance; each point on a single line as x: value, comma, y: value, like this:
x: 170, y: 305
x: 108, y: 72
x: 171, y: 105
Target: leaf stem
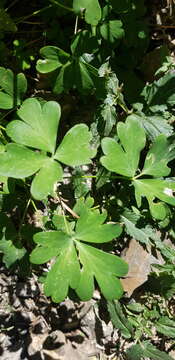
x: 64, y: 217
x: 33, y: 203
x: 137, y: 176
x: 33, y: 14
x: 61, y: 5
x: 76, y: 25
x: 93, y: 27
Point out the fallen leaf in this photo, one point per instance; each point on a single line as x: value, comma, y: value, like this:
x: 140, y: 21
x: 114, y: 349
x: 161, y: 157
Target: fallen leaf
x: 139, y: 261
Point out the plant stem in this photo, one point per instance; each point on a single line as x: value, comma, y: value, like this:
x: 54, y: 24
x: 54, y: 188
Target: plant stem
x: 93, y: 28
x: 33, y: 14
x: 137, y: 176
x: 76, y: 25
x: 64, y: 217
x: 33, y: 203
x: 61, y: 5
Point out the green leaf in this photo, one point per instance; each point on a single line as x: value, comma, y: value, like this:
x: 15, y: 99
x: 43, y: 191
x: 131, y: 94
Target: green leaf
x: 158, y: 210
x: 45, y: 181
x: 157, y: 158
x: 123, y: 159
x: 74, y: 149
x: 154, y: 188
x: 146, y: 350
x: 109, y: 115
x: 54, y: 58
x: 92, y: 10
x: 20, y: 162
x: 71, y: 71
x: 119, y: 320
x: 12, y: 251
x: 102, y: 266
x: 72, y: 255
x: 112, y: 30
x: 138, y: 234
x: 38, y: 128
x: 64, y: 80
x: 6, y: 101
x: 89, y: 227
x: 84, y: 80
x: 12, y: 88
x: 84, y: 42
x: 154, y: 125
x: 66, y: 270
x: 161, y: 91
x: 166, y: 326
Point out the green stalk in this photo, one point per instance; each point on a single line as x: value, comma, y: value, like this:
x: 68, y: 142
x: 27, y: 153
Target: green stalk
x: 61, y: 5
x: 33, y: 14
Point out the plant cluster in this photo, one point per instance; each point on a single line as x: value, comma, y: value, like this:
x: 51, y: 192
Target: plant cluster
x: 119, y: 167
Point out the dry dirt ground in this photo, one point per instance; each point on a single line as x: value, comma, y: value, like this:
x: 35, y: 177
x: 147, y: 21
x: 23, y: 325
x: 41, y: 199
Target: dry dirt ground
x: 32, y: 327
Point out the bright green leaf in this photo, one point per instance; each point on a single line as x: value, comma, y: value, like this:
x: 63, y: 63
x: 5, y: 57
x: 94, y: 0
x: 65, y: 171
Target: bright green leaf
x: 90, y: 228
x: 157, y: 158
x: 39, y: 126
x: 123, y: 159
x: 154, y: 188
x: 102, y: 266
x: 20, y: 162
x: 75, y: 149
x: 158, y: 210
x: 45, y: 181
x: 54, y: 58
x: 92, y: 10
x: 72, y: 255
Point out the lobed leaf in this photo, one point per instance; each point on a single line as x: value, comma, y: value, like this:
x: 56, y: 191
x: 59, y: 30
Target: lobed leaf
x: 75, y: 149
x: 157, y: 158
x: 19, y: 162
x: 154, y: 188
x: 101, y: 266
x: 90, y: 228
x: 45, y: 181
x: 39, y: 125
x: 78, y: 264
x: 112, y: 30
x: 54, y: 58
x: 123, y: 159
x: 154, y: 125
